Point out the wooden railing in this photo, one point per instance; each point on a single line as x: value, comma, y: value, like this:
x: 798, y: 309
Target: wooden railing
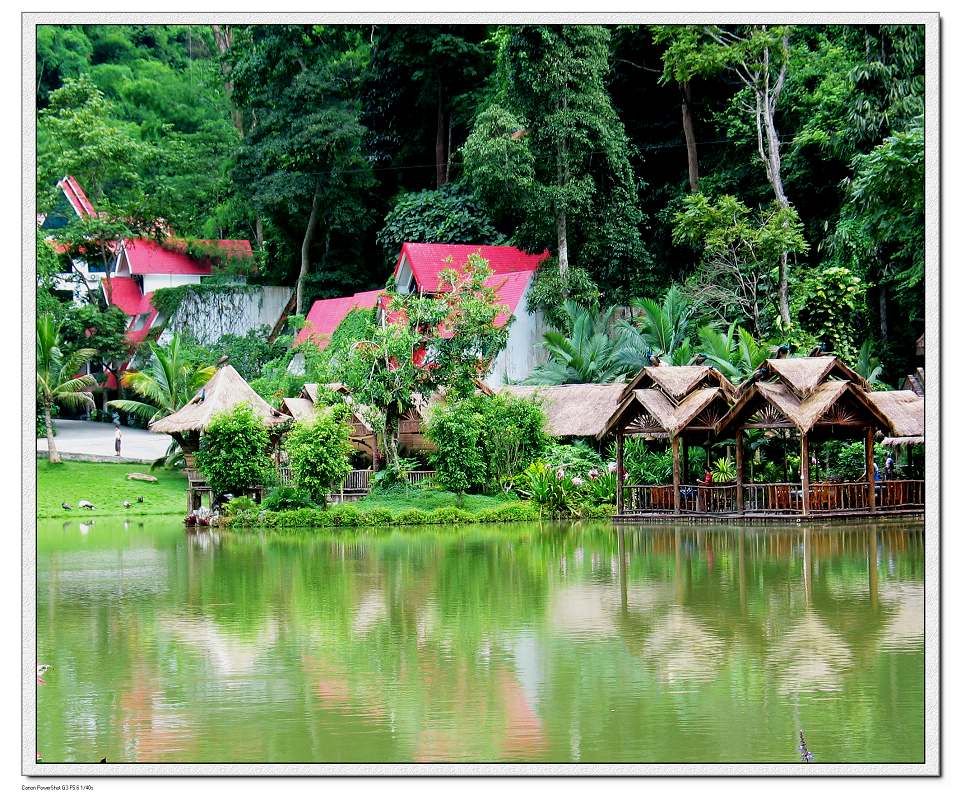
x: 774, y: 498
x: 357, y: 482
x: 901, y: 494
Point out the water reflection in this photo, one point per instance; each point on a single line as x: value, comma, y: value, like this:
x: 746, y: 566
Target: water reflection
x: 529, y: 642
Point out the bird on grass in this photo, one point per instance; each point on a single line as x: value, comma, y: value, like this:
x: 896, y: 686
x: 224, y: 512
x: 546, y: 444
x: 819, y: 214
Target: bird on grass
x: 806, y: 755
x: 139, y: 499
x: 126, y: 504
x: 66, y: 507
x: 85, y: 504
x: 41, y: 670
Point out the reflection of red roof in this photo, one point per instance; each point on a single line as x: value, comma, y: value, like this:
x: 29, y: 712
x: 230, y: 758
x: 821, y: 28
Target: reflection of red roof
x: 147, y: 257
x: 76, y: 197
x: 427, y: 261
x: 325, y: 315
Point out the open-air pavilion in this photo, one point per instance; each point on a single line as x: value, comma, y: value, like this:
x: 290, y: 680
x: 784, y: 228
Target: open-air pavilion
x: 806, y: 401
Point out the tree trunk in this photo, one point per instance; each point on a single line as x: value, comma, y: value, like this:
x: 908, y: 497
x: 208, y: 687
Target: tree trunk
x: 561, y: 210
x: 687, y: 120
x: 53, y: 454
x: 883, y: 311
x: 305, y: 249
x: 440, y: 143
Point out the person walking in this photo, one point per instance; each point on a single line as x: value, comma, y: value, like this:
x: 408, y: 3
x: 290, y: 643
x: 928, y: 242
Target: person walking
x: 116, y: 440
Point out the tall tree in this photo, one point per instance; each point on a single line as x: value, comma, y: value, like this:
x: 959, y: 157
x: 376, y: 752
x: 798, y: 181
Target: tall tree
x: 302, y: 158
x: 551, y: 81
x: 757, y: 55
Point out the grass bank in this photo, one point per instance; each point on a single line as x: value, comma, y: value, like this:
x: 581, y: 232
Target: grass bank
x: 106, y: 486
x: 408, y: 506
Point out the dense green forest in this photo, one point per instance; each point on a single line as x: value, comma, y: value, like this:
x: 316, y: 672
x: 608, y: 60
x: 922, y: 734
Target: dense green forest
x: 773, y: 175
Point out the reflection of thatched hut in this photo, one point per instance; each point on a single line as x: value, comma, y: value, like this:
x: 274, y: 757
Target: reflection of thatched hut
x: 576, y: 409
x: 223, y: 392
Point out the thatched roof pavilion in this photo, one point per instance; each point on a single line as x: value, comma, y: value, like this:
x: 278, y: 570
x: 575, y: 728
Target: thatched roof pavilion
x: 905, y: 409
x: 224, y: 391
x: 300, y: 408
x: 669, y: 403
x: 819, y: 397
x: 573, y: 409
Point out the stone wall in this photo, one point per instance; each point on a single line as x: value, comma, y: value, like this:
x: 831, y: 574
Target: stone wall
x: 238, y: 310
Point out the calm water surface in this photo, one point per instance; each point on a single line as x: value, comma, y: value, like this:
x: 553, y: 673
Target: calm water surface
x: 503, y: 643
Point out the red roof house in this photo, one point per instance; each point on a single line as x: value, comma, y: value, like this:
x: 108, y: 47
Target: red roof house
x: 325, y: 315
x: 419, y: 265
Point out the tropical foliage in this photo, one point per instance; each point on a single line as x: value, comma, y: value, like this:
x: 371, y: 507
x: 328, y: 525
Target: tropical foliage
x: 234, y: 451
x: 319, y: 452
x: 58, y: 382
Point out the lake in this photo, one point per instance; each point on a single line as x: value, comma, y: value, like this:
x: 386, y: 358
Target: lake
x: 528, y: 642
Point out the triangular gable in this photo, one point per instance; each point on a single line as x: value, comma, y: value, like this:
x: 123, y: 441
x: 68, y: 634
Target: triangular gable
x: 802, y: 375
x: 428, y: 260
x: 678, y: 381
x: 672, y: 418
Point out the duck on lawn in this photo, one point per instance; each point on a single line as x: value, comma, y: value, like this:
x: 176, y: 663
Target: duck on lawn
x: 85, y: 504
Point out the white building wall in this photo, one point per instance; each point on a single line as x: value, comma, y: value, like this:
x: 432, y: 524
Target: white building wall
x: 207, y: 317
x: 153, y: 282
x: 524, y: 349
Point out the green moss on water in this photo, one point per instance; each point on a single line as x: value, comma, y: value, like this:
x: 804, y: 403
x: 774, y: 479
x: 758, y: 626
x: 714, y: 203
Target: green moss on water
x: 106, y: 486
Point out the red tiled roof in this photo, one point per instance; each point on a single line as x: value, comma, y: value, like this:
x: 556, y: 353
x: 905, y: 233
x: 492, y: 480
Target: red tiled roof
x: 147, y: 257
x: 325, y: 315
x: 76, y: 196
x: 126, y: 295
x: 428, y: 260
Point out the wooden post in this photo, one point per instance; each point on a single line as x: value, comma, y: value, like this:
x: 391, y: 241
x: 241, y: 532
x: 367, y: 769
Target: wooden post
x: 805, y: 477
x: 685, y: 475
x: 869, y: 465
x: 620, y: 472
x: 677, y: 474
x: 739, y: 460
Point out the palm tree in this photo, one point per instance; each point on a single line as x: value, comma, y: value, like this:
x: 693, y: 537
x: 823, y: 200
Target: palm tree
x: 57, y: 380
x: 868, y: 365
x: 588, y: 355
x: 661, y: 331
x: 167, y: 384
x: 735, y: 357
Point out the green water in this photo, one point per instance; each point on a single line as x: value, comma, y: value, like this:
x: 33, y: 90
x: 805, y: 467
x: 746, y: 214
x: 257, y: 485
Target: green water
x: 505, y: 643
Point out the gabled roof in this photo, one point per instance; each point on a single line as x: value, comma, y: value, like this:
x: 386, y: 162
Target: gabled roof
x: 676, y: 382
x: 427, y: 261
x: 804, y: 412
x: 223, y: 392
x: 148, y: 257
x: 325, y: 315
x: 802, y: 375
x: 672, y: 417
x: 904, y: 408
x: 300, y: 408
x: 76, y: 197
x: 574, y: 409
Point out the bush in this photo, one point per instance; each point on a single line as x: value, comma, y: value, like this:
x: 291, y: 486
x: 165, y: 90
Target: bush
x: 238, y: 505
x: 549, y: 489
x: 412, y: 516
x: 344, y: 515
x: 449, y: 515
x: 599, y: 511
x: 576, y: 459
x: 483, y: 441
x: 511, y: 512
x: 287, y: 498
x: 233, y: 451
x: 319, y: 452
x: 549, y: 290
x: 377, y: 517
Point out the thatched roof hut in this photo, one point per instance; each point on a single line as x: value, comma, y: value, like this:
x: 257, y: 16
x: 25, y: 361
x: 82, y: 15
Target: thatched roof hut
x: 839, y: 406
x: 905, y: 409
x: 224, y: 391
x: 573, y: 409
x: 654, y: 414
x: 803, y: 375
x: 677, y: 382
x: 300, y: 408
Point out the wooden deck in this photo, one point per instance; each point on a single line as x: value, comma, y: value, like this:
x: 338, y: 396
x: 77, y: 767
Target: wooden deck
x: 767, y: 501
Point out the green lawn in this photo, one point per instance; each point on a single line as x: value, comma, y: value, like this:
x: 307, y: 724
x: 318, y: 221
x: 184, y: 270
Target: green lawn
x: 401, y: 498
x: 106, y: 486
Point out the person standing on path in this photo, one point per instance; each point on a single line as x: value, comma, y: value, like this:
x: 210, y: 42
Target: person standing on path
x: 116, y: 440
